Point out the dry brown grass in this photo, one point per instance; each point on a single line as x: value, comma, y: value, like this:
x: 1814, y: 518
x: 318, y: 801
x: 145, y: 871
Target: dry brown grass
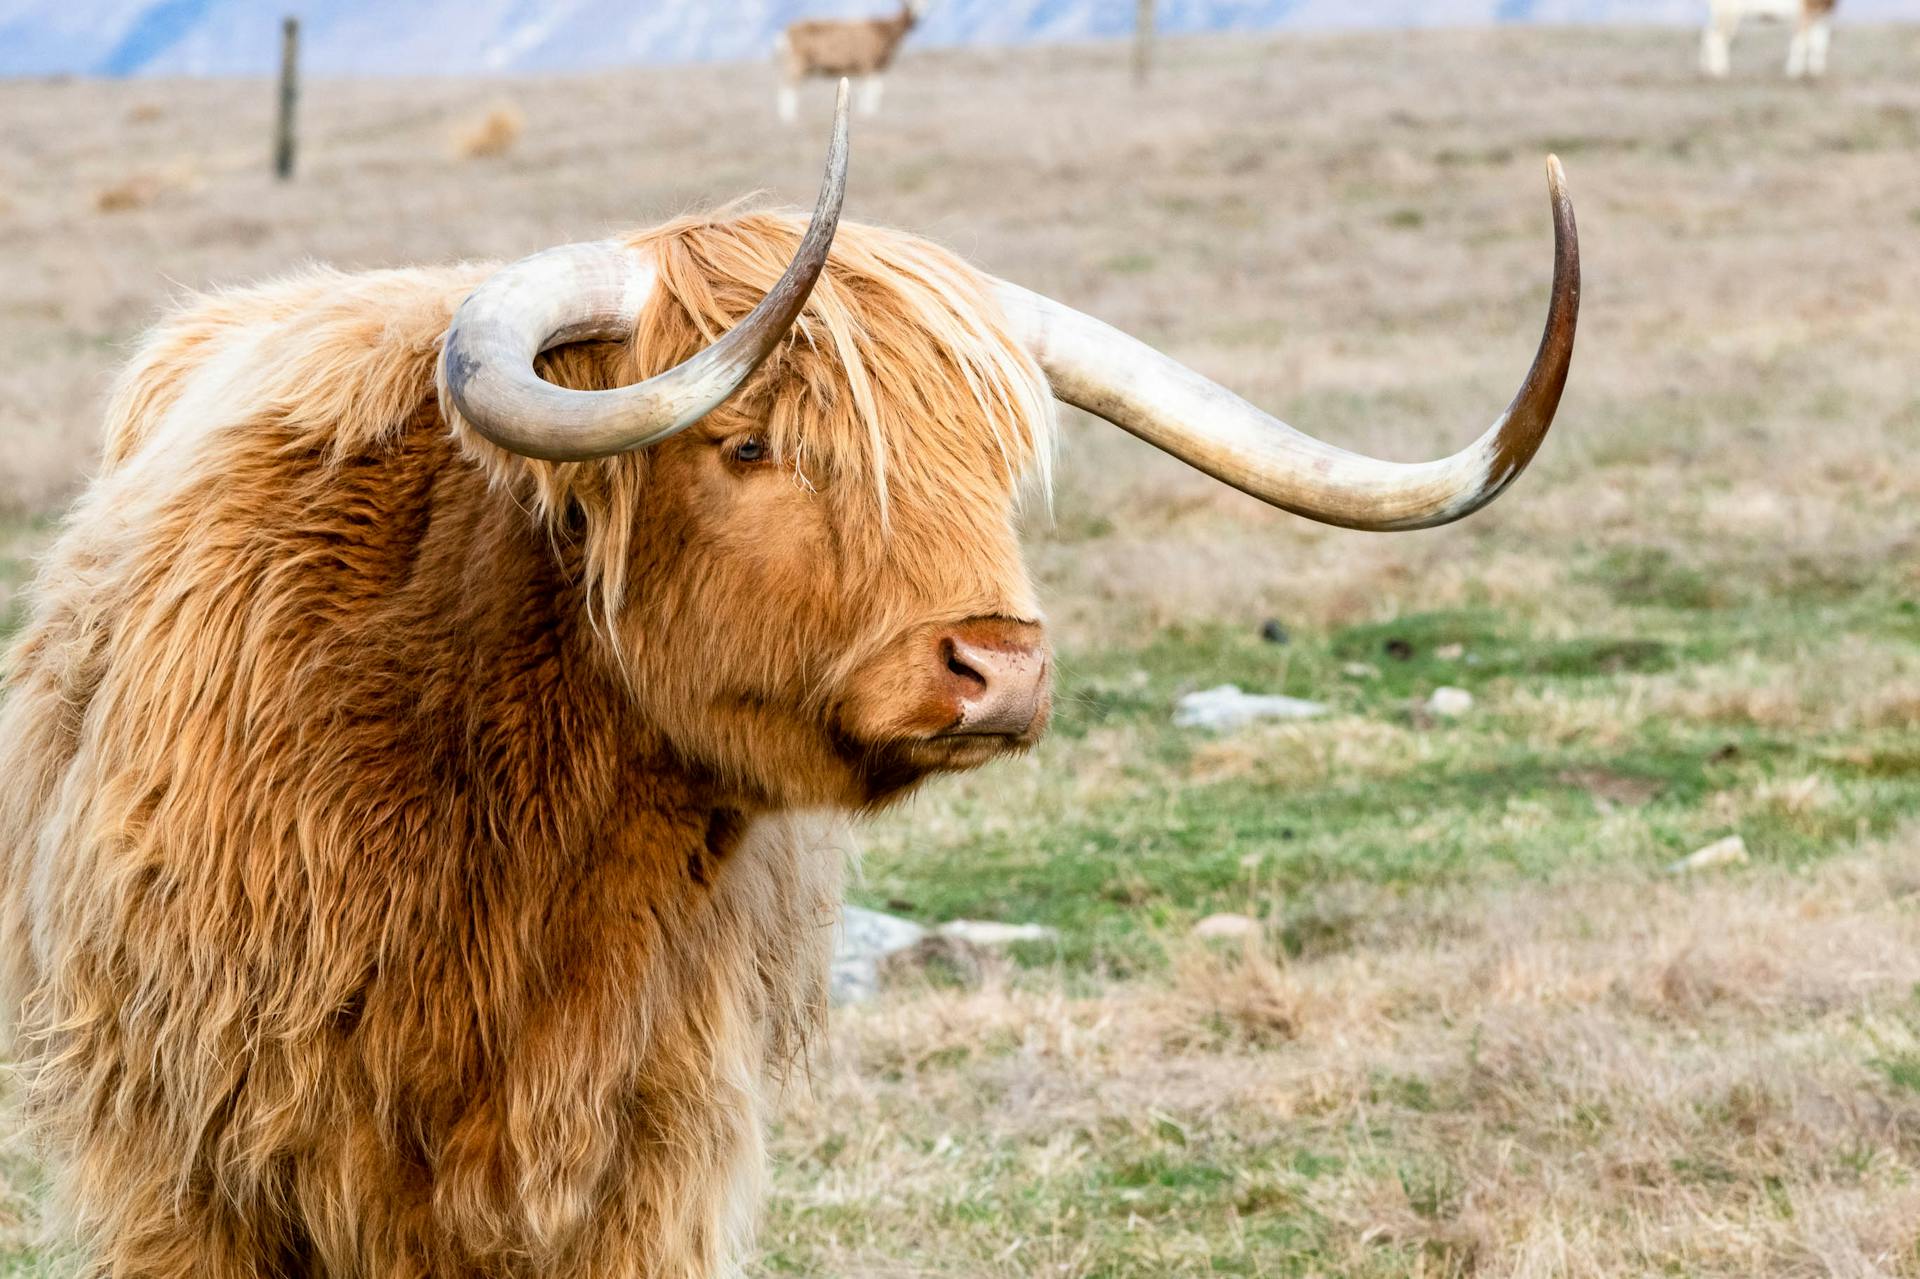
x: 1613, y: 1079
x: 1325, y: 238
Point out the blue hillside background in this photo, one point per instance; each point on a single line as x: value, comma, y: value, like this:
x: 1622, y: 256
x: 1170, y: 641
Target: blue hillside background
x: 460, y: 37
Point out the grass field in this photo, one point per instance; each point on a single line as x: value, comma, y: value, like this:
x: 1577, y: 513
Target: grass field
x: 1484, y: 1030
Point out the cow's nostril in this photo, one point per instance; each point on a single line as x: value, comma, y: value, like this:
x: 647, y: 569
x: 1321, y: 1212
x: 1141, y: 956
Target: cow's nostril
x: 958, y: 666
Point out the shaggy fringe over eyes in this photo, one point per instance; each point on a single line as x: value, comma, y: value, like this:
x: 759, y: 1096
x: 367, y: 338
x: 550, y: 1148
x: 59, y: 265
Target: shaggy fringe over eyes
x: 900, y: 376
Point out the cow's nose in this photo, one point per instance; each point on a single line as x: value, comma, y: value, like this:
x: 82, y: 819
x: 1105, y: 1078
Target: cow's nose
x: 996, y: 671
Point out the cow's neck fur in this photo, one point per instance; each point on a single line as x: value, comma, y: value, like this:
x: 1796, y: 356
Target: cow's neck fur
x: 554, y: 964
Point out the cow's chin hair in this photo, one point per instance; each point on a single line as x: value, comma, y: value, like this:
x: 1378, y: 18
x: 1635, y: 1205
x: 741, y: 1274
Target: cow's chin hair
x: 888, y: 771
x: 811, y: 763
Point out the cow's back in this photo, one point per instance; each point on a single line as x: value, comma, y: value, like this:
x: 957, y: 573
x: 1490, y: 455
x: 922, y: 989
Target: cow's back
x: 208, y: 393
x: 826, y: 47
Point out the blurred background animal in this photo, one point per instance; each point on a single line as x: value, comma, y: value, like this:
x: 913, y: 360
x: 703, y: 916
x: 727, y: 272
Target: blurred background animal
x: 829, y: 48
x: 1806, y: 52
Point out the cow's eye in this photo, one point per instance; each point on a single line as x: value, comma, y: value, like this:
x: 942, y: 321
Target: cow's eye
x: 749, y: 450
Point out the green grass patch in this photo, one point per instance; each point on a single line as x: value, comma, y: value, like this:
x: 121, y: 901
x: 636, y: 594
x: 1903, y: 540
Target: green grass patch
x: 1902, y: 1070
x: 1131, y: 263
x: 1459, y: 802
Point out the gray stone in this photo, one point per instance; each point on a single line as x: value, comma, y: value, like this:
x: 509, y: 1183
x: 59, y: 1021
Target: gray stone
x: 1731, y: 851
x: 1226, y: 708
x: 981, y: 932
x: 867, y: 939
x: 864, y: 939
x: 1226, y: 927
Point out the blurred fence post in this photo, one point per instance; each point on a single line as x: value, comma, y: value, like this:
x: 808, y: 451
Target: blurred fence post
x: 283, y: 132
x: 1143, y: 25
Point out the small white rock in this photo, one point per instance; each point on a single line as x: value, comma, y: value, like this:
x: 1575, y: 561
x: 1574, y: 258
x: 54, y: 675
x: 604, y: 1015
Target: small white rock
x: 865, y: 938
x: 1223, y: 709
x: 980, y: 932
x: 1360, y: 670
x: 1224, y: 927
x: 1450, y: 652
x: 1448, y: 702
x: 1731, y: 851
x: 869, y: 932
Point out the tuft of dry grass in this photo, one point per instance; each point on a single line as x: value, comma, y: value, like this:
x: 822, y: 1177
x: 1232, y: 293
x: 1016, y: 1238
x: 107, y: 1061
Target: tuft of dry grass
x: 146, y: 188
x: 493, y: 134
x: 136, y: 192
x: 1224, y: 996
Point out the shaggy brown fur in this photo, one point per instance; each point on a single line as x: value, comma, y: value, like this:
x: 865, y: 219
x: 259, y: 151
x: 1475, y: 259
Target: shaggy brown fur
x: 417, y: 861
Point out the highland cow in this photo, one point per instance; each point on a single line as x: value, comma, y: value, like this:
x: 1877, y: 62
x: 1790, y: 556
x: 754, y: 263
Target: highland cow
x: 859, y: 48
x: 428, y: 752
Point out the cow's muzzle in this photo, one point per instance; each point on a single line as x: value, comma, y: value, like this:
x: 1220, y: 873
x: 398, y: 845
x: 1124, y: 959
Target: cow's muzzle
x: 998, y: 674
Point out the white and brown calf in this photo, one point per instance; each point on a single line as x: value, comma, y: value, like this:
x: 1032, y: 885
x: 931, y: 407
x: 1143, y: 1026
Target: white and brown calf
x: 1806, y: 54
x: 860, y: 49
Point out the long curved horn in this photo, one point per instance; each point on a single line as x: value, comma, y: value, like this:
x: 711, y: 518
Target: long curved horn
x: 1113, y: 376
x: 582, y: 292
